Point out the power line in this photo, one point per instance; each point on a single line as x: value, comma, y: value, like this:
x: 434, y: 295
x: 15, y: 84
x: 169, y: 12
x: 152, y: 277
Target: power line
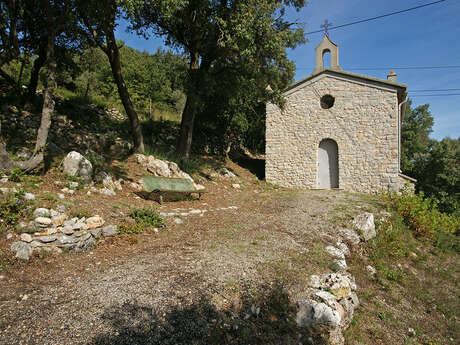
x: 378, y: 17
x: 446, y: 94
x: 434, y: 90
x: 395, y: 68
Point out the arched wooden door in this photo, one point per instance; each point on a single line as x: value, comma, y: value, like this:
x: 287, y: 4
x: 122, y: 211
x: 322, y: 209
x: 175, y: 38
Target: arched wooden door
x: 328, y: 164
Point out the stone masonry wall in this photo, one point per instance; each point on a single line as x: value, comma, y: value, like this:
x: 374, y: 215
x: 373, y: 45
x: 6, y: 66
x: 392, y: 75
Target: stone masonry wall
x: 363, y: 122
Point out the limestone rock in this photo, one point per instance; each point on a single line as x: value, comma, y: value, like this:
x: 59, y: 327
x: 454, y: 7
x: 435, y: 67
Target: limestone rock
x: 110, y: 230
x: 43, y: 222
x: 59, y: 220
x: 329, y: 310
x: 95, y: 222
x: 23, y: 250
x: 41, y: 212
x: 96, y: 233
x: 29, y: 196
x: 372, y: 271
x: 107, y: 191
x: 46, y: 239
x: 365, y: 225
x: 349, y: 235
x: 77, y: 165
x: 26, y: 238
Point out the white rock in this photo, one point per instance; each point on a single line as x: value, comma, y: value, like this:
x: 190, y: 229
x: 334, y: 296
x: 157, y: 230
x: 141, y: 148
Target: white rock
x: 43, y: 221
x: 41, y: 212
x: 236, y: 186
x: 349, y: 235
x: 365, y: 225
x: 77, y: 165
x: 9, y: 236
x: 178, y: 221
x: 26, y: 238
x: 336, y: 252
x: 372, y: 271
x: 95, y: 222
x: 107, y: 192
x: 23, y: 250
x: 29, y: 196
x: 61, y: 196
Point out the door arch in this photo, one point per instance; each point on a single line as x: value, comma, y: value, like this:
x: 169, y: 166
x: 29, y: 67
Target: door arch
x: 328, y: 164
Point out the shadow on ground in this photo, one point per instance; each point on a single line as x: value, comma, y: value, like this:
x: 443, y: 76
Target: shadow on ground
x: 262, y: 317
x: 255, y: 166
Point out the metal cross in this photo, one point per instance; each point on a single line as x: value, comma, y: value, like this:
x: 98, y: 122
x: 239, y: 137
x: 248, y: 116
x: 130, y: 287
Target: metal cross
x: 326, y: 26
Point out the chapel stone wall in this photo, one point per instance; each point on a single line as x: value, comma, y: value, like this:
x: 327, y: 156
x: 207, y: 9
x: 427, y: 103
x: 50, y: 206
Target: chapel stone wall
x: 363, y: 121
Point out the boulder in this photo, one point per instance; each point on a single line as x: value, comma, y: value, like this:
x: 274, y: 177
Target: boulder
x: 110, y: 230
x: 26, y: 238
x: 329, y: 309
x: 43, y: 222
x: 23, y: 250
x: 41, y: 212
x: 365, y: 225
x: 349, y: 235
x: 95, y: 222
x: 77, y: 165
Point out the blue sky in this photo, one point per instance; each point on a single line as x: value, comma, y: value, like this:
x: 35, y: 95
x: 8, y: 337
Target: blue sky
x: 429, y: 36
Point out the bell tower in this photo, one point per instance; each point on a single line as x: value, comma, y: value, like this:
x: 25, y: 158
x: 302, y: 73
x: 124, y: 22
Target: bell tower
x: 327, y: 46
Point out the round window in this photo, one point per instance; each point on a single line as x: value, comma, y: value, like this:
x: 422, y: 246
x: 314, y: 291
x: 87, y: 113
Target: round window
x: 327, y: 101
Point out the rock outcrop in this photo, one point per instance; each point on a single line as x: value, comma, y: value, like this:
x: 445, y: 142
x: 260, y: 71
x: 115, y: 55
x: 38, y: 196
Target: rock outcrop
x: 76, y: 165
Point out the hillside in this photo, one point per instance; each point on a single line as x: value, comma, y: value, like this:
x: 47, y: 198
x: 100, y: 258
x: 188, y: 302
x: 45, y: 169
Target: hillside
x: 231, y: 268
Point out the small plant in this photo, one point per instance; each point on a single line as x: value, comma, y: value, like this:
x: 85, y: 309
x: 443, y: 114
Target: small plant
x: 15, y: 175
x: 50, y: 197
x: 12, y: 208
x: 146, y: 217
x: 130, y: 229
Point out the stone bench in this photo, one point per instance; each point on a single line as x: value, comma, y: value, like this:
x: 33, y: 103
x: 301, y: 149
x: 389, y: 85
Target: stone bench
x: 167, y: 185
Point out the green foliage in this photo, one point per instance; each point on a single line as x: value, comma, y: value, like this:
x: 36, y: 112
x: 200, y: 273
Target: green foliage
x: 130, y: 229
x: 12, y: 208
x: 146, y: 217
x: 425, y: 220
x: 15, y: 175
x: 434, y: 164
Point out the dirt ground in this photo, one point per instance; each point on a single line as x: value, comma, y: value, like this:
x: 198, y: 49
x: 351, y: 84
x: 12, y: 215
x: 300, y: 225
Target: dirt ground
x: 191, y: 283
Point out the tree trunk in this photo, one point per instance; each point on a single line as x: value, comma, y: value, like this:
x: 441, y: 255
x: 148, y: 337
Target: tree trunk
x: 6, y: 163
x: 48, y: 102
x: 113, y: 54
x: 33, y: 83
x: 188, y: 115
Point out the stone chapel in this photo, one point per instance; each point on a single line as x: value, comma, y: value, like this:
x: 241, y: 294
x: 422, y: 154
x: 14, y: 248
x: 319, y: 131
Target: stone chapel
x: 337, y: 129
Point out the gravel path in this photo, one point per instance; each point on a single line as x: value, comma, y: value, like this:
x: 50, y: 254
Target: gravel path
x: 172, y: 288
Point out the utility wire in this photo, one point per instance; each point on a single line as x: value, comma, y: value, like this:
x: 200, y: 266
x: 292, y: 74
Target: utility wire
x: 446, y: 94
x: 390, y: 68
x: 434, y: 90
x: 378, y: 17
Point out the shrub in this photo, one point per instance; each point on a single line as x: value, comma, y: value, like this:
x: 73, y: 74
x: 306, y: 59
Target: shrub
x: 146, y: 218
x: 15, y: 175
x: 423, y: 218
x: 12, y: 209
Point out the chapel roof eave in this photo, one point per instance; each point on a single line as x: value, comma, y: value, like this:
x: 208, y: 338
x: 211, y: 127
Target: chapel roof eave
x: 401, y: 88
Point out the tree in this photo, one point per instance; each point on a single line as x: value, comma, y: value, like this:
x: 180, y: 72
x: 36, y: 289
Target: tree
x: 416, y: 127
x: 52, y: 13
x: 435, y: 165
x: 99, y: 19
x: 441, y: 175
x: 218, y: 36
